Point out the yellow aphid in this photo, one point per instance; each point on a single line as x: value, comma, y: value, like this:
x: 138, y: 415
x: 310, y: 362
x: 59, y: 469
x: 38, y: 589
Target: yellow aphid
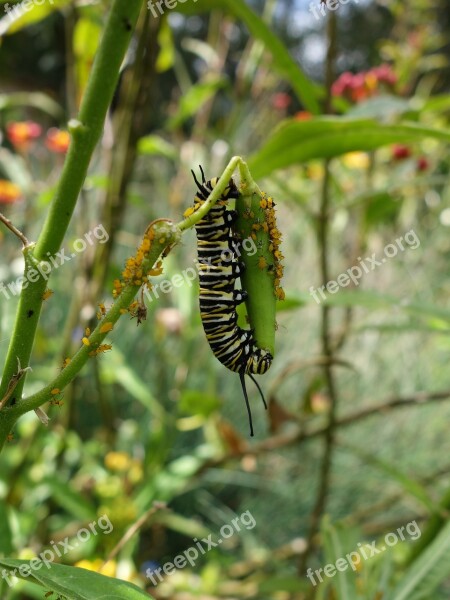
x: 189, y: 211
x: 66, y: 362
x: 262, y: 262
x: 106, y: 327
x: 145, y: 246
x: 46, y: 295
x: 86, y: 342
x: 104, y: 348
x: 87, y: 332
x: 55, y: 391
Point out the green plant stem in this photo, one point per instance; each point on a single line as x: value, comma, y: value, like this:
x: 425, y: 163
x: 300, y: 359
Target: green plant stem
x: 248, y: 185
x: 170, y: 236
x: 326, y: 336
x: 204, y: 209
x: 86, y: 132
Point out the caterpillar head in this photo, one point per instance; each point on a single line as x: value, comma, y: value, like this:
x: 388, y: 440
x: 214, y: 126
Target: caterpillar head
x: 205, y: 187
x: 259, y: 362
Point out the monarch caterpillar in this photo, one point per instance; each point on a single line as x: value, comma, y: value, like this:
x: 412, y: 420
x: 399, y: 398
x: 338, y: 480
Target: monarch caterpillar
x: 233, y: 346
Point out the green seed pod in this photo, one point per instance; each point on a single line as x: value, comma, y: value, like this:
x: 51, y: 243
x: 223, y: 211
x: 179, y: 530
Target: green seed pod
x: 263, y: 272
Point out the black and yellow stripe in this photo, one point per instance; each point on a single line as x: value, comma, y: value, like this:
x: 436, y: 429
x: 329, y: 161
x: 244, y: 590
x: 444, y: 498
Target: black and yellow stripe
x: 218, y: 269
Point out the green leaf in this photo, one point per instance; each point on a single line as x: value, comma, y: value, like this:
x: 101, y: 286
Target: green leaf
x: 27, y: 13
x: 411, y: 486
x: 335, y: 549
x: 294, y: 142
x: 283, y: 63
x: 69, y: 499
x: 430, y: 569
x: 381, y: 207
x: 86, y: 38
x: 76, y: 583
x: 116, y: 370
x: 6, y: 546
x: 196, y: 402
x: 195, y: 97
x: 383, y: 107
x: 34, y: 100
x: 373, y: 300
x: 14, y: 168
x: 166, y: 56
x: 156, y: 145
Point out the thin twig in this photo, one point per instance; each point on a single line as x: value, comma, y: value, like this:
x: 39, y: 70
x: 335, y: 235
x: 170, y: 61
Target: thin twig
x: 157, y: 506
x: 14, y: 229
x: 295, y: 366
x: 326, y: 336
x: 300, y: 435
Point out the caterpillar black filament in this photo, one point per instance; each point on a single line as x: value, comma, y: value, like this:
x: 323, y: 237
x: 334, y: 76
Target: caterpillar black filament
x: 219, y: 268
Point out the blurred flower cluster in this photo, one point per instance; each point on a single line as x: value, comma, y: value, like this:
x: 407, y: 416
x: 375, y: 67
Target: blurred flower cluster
x: 357, y: 87
x: 402, y: 152
x: 23, y: 136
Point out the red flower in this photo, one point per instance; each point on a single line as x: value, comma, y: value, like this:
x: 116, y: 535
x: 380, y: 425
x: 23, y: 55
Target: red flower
x: 281, y: 101
x: 400, y: 152
x: 422, y: 164
x: 9, y: 192
x: 385, y: 74
x: 57, y: 140
x: 342, y: 85
x: 359, y: 86
x: 22, y: 133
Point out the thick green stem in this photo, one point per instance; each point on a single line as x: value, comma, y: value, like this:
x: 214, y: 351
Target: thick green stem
x: 258, y: 276
x: 86, y: 132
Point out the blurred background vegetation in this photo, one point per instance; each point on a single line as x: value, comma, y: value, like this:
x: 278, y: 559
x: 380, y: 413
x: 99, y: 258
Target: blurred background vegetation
x: 355, y: 443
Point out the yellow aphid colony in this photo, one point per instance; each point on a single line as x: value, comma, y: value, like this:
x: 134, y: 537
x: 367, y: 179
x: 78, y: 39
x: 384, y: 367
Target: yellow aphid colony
x: 270, y: 225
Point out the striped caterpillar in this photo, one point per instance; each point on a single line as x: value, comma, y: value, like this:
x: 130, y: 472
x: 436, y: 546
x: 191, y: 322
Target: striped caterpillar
x: 233, y: 346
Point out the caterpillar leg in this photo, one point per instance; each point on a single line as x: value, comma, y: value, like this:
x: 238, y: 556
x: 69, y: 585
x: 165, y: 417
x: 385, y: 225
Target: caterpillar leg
x: 260, y: 390
x: 247, y: 404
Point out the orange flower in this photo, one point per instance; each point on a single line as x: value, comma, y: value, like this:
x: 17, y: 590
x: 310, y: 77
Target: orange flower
x: 303, y: 115
x: 22, y: 133
x: 9, y: 192
x: 57, y: 140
